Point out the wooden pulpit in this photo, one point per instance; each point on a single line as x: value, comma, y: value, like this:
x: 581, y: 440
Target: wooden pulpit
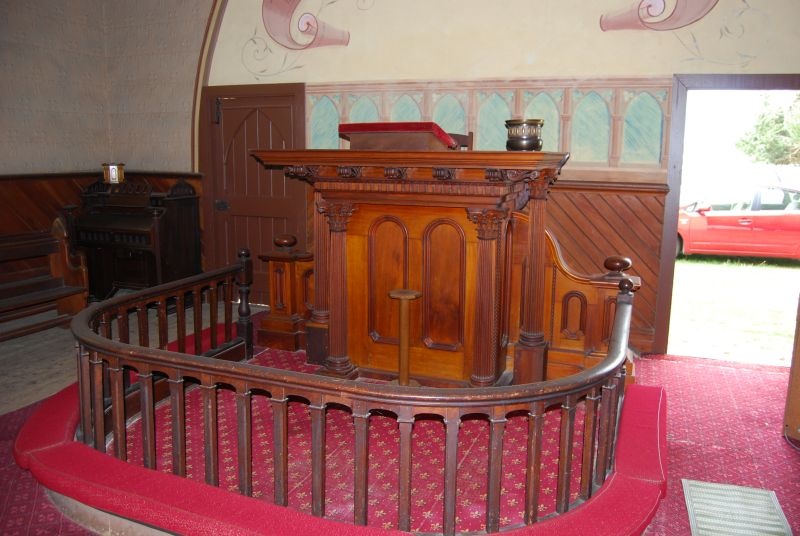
x: 436, y: 222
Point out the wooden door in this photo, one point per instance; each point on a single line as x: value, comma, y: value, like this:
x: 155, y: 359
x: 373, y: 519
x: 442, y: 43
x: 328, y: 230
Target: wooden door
x: 247, y: 205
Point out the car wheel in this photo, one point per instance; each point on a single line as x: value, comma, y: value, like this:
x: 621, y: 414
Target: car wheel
x: 679, y: 246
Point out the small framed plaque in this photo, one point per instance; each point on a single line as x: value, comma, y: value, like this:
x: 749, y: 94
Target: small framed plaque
x: 114, y: 173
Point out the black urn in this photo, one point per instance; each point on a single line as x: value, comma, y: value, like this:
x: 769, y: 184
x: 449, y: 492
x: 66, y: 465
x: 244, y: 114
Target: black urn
x: 524, y: 134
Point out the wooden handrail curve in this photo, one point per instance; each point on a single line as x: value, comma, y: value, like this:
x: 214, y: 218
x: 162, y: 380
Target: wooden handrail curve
x: 120, y: 379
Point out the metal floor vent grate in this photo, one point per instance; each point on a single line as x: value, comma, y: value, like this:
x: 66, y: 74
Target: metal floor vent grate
x: 724, y: 509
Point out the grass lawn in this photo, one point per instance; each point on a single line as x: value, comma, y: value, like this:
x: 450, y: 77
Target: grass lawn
x: 734, y: 309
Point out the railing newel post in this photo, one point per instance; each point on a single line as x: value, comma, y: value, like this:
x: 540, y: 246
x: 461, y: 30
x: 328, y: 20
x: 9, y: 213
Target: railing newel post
x: 244, y: 324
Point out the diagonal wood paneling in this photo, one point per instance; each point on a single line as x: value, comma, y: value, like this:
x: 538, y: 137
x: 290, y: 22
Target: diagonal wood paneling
x: 592, y: 221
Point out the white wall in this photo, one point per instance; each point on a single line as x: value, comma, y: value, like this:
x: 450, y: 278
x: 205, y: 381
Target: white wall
x: 477, y: 39
x: 54, y: 88
x: 92, y: 81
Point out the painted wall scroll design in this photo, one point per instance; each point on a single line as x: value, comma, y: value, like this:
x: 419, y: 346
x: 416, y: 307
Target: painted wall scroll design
x: 738, y: 40
x: 292, y: 27
x: 654, y: 15
x: 278, y: 16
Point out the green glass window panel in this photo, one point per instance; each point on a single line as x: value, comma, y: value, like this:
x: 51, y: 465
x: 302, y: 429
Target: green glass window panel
x: 492, y: 116
x: 364, y: 110
x: 405, y: 109
x: 591, y: 130
x: 642, y: 135
x: 324, y: 125
x: 450, y: 115
x: 543, y: 107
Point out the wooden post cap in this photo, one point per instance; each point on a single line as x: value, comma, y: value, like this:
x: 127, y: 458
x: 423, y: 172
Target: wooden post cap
x: 285, y: 241
x: 617, y: 263
x: 405, y: 294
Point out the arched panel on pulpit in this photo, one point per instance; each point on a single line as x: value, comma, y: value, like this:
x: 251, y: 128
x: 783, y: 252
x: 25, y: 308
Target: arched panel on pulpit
x: 444, y: 282
x: 387, y: 253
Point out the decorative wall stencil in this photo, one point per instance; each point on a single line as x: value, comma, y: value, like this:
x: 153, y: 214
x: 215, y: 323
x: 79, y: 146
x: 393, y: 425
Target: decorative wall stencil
x: 654, y: 15
x: 278, y: 17
x: 542, y: 106
x: 364, y: 110
x: 604, y: 122
x: 292, y: 28
x: 449, y: 113
x: 591, y: 122
x: 642, y: 130
x: 737, y: 39
x: 323, y: 124
x: 492, y: 114
x: 406, y: 108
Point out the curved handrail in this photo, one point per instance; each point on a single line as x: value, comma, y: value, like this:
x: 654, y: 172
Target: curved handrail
x: 103, y: 362
x: 472, y: 396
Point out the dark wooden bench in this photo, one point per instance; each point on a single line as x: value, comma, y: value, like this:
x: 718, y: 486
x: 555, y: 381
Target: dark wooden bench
x: 39, y: 274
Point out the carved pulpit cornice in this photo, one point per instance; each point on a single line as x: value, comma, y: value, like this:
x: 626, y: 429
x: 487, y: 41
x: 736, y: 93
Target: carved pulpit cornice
x: 462, y: 160
x: 479, y: 178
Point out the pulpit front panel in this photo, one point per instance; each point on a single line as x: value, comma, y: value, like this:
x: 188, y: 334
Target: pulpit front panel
x: 428, y: 249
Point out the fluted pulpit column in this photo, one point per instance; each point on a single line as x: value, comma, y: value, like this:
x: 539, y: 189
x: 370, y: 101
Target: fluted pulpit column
x: 490, y: 223
x: 531, y: 350
x: 320, y: 313
x: 317, y: 326
x: 337, y: 361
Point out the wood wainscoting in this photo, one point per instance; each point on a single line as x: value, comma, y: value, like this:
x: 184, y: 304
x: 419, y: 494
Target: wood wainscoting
x: 31, y: 202
x: 592, y: 220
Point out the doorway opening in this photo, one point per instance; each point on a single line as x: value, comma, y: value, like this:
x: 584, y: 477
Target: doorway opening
x: 731, y: 307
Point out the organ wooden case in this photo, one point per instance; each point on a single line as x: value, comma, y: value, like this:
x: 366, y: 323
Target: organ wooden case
x: 432, y: 221
x: 134, y: 237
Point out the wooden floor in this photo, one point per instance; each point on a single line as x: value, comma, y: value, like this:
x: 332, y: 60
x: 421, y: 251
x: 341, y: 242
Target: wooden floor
x: 41, y: 364
x: 35, y: 367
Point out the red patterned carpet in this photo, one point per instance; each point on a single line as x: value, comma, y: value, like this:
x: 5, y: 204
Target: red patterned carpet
x: 24, y: 507
x: 724, y: 425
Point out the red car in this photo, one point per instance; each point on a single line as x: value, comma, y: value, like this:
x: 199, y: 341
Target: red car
x: 764, y: 224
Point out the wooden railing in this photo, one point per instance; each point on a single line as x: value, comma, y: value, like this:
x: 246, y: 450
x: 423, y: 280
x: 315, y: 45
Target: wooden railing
x: 111, y: 365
